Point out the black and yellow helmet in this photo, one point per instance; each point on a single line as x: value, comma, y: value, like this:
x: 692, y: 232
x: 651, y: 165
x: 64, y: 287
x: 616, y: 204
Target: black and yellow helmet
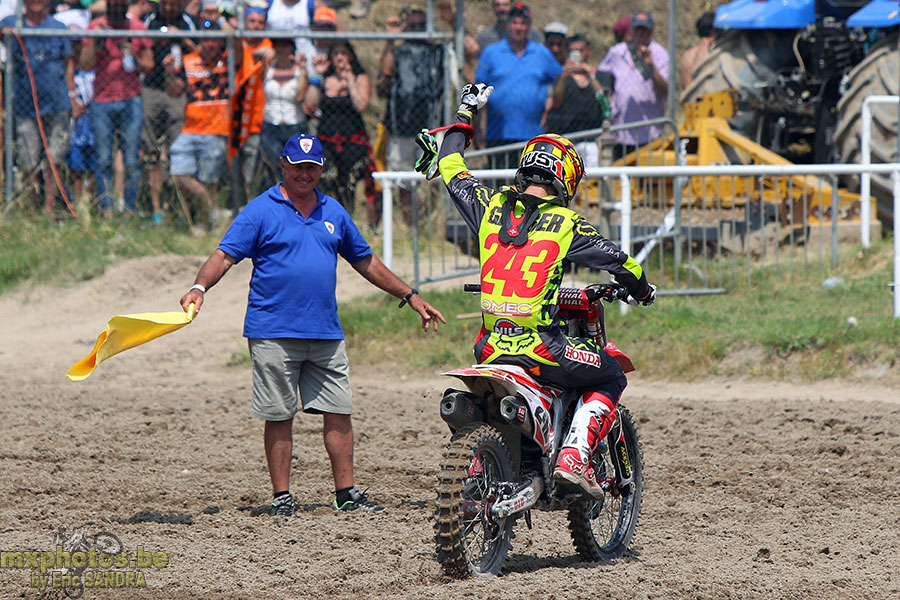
x: 551, y: 159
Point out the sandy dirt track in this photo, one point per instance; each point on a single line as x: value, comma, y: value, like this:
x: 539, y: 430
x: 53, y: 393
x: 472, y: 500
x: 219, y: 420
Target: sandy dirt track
x: 752, y: 489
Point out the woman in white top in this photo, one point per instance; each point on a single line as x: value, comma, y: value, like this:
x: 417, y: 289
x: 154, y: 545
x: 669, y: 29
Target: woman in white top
x: 284, y: 86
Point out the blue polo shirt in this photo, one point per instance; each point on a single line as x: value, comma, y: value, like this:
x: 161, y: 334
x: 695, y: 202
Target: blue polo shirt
x: 520, y: 85
x: 294, y: 264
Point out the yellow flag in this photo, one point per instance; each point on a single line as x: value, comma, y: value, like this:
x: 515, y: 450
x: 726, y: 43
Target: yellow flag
x: 127, y: 331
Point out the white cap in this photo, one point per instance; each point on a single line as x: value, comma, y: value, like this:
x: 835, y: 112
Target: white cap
x: 556, y: 27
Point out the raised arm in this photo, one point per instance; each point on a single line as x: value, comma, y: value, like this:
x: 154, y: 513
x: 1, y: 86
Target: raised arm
x: 469, y: 195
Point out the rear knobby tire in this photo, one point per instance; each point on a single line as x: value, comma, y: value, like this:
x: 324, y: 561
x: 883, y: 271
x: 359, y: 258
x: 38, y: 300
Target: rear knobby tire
x: 742, y: 60
x: 603, y: 529
x: 469, y: 542
x: 875, y: 75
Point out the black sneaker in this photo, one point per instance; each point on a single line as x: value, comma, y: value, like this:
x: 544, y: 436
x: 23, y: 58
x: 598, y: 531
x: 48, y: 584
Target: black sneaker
x: 283, y: 506
x: 358, y: 500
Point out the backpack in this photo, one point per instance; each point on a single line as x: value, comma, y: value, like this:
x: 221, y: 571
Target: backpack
x: 416, y: 88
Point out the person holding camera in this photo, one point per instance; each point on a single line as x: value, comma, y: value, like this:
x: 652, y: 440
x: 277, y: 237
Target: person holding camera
x: 163, y: 114
x: 117, y: 106
x: 636, y: 72
x: 578, y: 101
x: 411, y: 80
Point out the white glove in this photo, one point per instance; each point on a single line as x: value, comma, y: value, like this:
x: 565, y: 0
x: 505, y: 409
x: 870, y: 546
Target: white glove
x: 646, y: 300
x: 474, y: 96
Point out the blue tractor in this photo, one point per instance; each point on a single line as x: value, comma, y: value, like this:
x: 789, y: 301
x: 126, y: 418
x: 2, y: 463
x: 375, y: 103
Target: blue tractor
x: 802, y: 69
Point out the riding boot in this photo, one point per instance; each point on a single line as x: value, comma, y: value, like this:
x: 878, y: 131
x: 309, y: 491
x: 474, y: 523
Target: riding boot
x: 594, y: 417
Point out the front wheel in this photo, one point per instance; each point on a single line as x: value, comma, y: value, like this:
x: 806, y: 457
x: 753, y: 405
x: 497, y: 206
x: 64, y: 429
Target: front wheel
x: 476, y: 472
x: 603, y: 529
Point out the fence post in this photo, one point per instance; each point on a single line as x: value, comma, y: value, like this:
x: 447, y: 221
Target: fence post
x: 834, y: 221
x: 9, y: 178
x: 865, y: 180
x: 625, y: 222
x: 387, y: 222
x: 236, y: 167
x: 414, y: 207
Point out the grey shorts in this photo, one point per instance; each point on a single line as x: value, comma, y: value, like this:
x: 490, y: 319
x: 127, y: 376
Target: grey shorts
x: 29, y: 145
x: 163, y: 120
x: 319, y: 368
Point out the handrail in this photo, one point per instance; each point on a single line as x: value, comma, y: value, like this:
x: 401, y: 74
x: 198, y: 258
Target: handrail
x: 238, y: 34
x: 389, y: 177
x: 685, y: 171
x: 577, y: 135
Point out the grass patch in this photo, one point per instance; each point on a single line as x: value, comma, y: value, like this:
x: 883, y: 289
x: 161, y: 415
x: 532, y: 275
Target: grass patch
x: 783, y: 329
x: 42, y: 251
x: 768, y: 324
x: 377, y: 332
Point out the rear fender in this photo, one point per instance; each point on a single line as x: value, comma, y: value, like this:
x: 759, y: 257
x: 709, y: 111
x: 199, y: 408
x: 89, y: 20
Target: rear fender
x: 621, y: 357
x: 498, y: 381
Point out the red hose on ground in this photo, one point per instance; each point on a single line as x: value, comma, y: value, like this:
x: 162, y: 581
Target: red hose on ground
x: 37, y: 113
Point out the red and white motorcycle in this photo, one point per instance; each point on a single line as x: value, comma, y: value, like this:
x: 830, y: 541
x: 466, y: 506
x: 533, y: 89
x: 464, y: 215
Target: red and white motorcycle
x: 507, y: 430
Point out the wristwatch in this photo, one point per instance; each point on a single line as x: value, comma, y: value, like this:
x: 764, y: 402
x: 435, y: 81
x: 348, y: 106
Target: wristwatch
x: 407, y: 297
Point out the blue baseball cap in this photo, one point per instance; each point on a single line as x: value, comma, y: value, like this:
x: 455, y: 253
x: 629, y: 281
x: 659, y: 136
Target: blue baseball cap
x: 642, y: 19
x: 304, y: 149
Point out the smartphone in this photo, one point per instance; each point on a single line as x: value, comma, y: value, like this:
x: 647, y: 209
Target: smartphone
x: 575, y: 56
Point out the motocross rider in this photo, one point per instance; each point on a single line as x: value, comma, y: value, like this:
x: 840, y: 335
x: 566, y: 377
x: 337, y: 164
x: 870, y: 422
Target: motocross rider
x: 524, y: 234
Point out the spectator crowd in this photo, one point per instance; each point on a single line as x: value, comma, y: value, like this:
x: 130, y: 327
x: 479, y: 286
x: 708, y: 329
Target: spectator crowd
x: 126, y: 115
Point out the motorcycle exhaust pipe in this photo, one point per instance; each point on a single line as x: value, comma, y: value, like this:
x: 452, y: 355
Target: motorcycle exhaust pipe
x: 515, y: 412
x: 458, y: 409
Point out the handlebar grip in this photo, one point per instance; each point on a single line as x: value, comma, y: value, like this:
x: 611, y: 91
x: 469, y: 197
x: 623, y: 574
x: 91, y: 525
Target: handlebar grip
x: 475, y: 288
x: 606, y: 291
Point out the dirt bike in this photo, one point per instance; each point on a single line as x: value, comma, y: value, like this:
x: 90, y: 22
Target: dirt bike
x: 507, y: 430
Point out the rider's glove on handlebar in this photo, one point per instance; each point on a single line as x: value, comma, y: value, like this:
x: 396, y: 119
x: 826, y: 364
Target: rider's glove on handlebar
x: 474, y: 96
x: 647, y: 300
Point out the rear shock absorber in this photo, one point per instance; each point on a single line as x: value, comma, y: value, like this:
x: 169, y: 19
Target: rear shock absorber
x: 593, y: 323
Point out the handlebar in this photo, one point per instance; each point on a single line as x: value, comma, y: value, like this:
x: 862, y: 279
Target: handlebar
x: 605, y: 291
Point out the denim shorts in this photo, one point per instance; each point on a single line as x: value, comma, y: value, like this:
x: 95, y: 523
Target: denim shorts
x: 318, y: 368
x: 198, y: 155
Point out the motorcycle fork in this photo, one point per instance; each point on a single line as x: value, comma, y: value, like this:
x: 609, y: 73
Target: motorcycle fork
x: 619, y: 452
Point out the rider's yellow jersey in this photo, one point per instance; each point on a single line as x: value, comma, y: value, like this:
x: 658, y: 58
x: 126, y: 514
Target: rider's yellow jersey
x: 519, y: 283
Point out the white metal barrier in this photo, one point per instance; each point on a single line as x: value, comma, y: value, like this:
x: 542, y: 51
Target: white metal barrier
x: 865, y: 180
x: 624, y: 205
x: 896, y: 282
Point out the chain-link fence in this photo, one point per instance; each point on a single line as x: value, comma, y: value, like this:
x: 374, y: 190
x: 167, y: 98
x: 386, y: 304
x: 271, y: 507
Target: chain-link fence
x: 182, y: 118
x: 184, y: 121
